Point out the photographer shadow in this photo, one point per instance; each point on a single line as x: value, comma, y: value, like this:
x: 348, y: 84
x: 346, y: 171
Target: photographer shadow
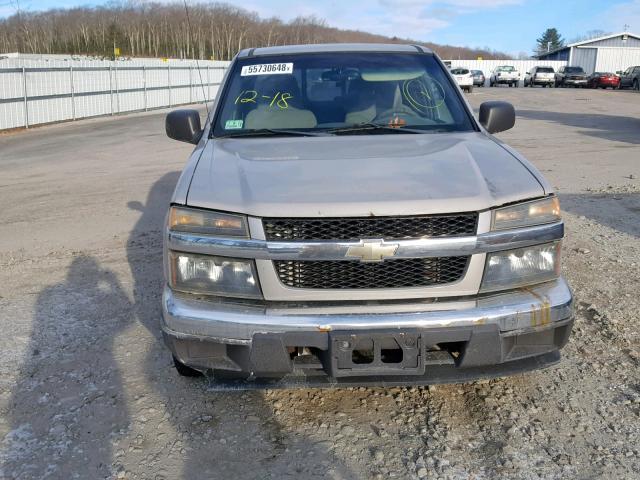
x: 231, y: 434
x: 72, y: 377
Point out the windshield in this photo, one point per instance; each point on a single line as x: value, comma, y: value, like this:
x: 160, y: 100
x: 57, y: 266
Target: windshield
x: 574, y: 70
x: 459, y: 71
x: 317, y: 92
x: 506, y: 68
x: 545, y: 70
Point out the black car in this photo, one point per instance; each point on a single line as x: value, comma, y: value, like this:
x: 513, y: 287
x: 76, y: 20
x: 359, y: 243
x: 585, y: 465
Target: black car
x: 630, y: 78
x: 478, y: 78
x: 569, y: 76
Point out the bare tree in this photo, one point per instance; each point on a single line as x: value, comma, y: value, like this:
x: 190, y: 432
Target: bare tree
x: 140, y: 28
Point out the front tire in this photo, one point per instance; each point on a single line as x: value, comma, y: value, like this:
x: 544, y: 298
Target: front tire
x: 636, y: 85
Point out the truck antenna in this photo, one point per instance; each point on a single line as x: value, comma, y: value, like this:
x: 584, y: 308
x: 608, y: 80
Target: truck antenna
x: 204, y: 95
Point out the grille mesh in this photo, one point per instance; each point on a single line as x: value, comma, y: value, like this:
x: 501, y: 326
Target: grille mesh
x: 355, y: 228
x: 399, y: 273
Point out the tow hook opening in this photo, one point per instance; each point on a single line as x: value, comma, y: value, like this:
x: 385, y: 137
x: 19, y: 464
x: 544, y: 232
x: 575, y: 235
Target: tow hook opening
x: 391, y: 355
x: 362, y: 352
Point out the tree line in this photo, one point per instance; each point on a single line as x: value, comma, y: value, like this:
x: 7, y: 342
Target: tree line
x: 144, y: 29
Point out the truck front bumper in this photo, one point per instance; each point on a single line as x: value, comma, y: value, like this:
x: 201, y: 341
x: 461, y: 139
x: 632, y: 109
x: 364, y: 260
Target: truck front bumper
x: 437, y: 342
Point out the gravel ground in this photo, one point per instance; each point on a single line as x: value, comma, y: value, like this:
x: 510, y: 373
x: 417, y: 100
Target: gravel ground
x: 87, y: 390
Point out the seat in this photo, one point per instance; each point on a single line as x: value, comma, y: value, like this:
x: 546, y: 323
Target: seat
x: 272, y: 114
x: 264, y: 116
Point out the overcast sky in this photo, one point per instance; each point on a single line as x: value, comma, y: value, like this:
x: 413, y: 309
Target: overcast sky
x: 506, y: 25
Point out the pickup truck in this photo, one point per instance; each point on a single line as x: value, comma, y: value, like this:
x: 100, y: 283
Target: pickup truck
x: 571, y: 76
x: 344, y: 219
x: 504, y: 74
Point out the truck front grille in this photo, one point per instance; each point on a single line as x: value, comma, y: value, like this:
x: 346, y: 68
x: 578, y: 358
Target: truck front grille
x: 355, y: 228
x: 398, y: 273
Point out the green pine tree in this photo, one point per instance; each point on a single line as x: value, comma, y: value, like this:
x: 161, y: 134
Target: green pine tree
x: 549, y: 41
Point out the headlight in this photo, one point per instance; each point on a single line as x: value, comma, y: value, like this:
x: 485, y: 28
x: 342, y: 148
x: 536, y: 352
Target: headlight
x: 522, y: 266
x: 232, y: 277
x: 526, y: 214
x: 210, y: 223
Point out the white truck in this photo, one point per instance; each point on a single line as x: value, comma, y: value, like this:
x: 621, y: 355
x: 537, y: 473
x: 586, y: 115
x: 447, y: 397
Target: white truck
x: 505, y: 74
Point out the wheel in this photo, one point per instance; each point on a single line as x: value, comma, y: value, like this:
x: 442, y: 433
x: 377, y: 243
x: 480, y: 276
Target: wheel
x: 470, y: 89
x: 636, y: 85
x: 516, y: 85
x: 184, y: 370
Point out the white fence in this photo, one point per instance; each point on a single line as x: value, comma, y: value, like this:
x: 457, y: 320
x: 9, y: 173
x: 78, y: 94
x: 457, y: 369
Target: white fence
x: 51, y: 89
x: 37, y: 91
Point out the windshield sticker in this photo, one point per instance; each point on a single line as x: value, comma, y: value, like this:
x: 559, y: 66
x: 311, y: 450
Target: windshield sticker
x: 278, y: 100
x: 266, y: 69
x: 233, y: 124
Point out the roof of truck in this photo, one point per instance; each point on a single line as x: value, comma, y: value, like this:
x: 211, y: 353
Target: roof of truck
x: 333, y: 47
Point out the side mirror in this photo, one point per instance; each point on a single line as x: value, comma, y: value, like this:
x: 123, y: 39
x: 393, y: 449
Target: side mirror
x: 497, y: 116
x: 183, y: 125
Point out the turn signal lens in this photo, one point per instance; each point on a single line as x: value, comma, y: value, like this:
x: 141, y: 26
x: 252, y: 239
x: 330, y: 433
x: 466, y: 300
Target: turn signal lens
x: 525, y: 214
x: 193, y: 220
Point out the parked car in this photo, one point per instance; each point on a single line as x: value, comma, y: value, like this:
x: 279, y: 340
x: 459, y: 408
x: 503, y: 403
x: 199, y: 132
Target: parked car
x: 345, y: 219
x: 630, y: 78
x: 544, y: 76
x: 505, y: 74
x: 478, y: 78
x: 603, y: 80
x: 570, y: 76
x: 464, y: 78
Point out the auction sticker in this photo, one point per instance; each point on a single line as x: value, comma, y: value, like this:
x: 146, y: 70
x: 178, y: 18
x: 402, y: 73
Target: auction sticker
x: 266, y: 69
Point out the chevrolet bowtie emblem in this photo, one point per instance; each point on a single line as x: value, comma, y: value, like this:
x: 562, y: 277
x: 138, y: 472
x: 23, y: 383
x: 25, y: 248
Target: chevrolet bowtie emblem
x: 372, y: 250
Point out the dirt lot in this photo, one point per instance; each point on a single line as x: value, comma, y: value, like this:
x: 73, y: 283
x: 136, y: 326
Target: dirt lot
x: 87, y: 390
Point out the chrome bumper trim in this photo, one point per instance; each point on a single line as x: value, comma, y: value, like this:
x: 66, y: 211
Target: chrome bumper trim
x: 522, y: 309
x: 337, y: 250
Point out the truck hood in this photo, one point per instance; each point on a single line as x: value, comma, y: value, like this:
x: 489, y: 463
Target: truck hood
x: 359, y: 175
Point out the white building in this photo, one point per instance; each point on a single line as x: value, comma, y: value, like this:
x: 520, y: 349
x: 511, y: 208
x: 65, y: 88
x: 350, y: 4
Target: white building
x: 611, y: 53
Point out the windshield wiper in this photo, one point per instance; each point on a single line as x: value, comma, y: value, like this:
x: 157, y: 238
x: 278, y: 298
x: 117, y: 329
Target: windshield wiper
x: 361, y: 127
x: 274, y: 131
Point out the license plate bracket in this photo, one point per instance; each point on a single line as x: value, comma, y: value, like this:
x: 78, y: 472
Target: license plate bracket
x: 381, y: 353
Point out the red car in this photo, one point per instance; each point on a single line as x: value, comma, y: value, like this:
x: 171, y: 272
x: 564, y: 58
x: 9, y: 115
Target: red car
x: 603, y: 80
